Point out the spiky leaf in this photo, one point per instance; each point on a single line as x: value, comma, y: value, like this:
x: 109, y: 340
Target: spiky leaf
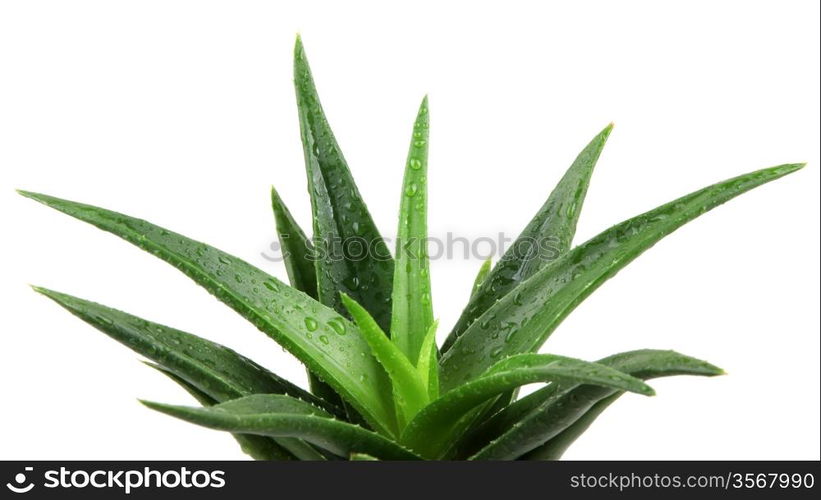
x: 547, y: 236
x: 412, y: 309
x: 544, y: 414
x: 526, y: 316
x: 437, y: 426
x: 280, y: 416
x: 410, y: 394
x: 342, y: 223
x: 297, y: 250
x: 556, y: 446
x: 257, y: 447
x: 323, y: 340
x: 298, y: 255
x: 428, y: 366
x: 481, y: 276
x: 216, y: 370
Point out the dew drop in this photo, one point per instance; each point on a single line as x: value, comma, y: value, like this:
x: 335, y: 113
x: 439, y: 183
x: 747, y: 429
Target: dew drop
x: 338, y: 326
x: 311, y: 324
x: 411, y: 189
x: 415, y: 164
x: 352, y: 283
x: 324, y: 339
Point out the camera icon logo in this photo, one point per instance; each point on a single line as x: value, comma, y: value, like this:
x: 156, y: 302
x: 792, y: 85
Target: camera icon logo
x: 20, y: 485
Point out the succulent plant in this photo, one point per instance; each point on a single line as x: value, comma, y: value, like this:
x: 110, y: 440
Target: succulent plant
x: 380, y: 387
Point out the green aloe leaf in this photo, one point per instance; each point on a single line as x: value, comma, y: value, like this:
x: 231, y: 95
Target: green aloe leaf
x: 257, y: 447
x: 352, y: 256
x: 327, y: 343
x: 544, y: 414
x: 436, y: 427
x: 481, y: 276
x: 213, y: 372
x: 645, y: 364
x: 209, y: 371
x: 298, y: 255
x: 281, y: 416
x: 547, y: 236
x: 297, y: 447
x: 297, y: 250
x: 523, y: 319
x: 214, y: 369
x: 428, y: 366
x: 412, y: 309
x: 410, y: 393
x: 556, y: 446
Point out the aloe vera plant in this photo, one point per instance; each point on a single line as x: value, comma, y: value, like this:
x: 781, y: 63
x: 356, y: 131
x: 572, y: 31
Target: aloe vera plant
x: 380, y: 387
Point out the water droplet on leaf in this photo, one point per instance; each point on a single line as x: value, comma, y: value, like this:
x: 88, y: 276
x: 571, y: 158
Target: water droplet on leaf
x: 337, y: 325
x: 311, y: 324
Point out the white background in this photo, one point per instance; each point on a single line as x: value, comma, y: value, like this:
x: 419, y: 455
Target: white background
x: 183, y: 113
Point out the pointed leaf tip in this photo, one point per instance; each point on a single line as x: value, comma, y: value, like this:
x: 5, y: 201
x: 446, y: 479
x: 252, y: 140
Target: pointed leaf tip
x: 47, y: 292
x: 27, y: 194
x: 152, y: 404
x: 172, y: 410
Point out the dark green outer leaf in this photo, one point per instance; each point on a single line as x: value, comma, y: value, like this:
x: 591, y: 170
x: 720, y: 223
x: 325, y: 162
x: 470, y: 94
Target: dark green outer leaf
x: 535, y: 419
x: 412, y: 309
x: 257, y: 447
x: 340, y: 216
x: 297, y: 251
x: 524, y: 318
x: 208, y: 371
x: 547, y: 236
x: 645, y: 364
x: 481, y: 276
x: 276, y: 416
x: 324, y: 341
x: 555, y: 447
x: 438, y: 425
x: 294, y: 446
x: 298, y: 255
x: 214, y: 369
